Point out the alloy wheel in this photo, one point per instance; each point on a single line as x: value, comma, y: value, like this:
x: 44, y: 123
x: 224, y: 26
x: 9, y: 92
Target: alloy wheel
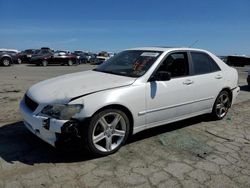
x: 6, y: 62
x: 222, y: 105
x: 109, y: 132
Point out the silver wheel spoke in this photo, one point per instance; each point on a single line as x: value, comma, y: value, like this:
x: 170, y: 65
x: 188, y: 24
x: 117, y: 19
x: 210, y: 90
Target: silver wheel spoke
x: 108, y: 143
x: 103, y: 122
x: 119, y: 133
x: 220, y: 113
x: 116, y: 120
x: 99, y: 137
x: 218, y: 106
x: 225, y: 101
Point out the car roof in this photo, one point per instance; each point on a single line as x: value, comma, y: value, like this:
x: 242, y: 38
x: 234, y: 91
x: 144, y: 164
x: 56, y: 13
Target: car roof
x: 165, y: 49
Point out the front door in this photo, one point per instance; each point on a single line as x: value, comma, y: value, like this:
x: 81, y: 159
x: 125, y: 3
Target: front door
x: 172, y: 99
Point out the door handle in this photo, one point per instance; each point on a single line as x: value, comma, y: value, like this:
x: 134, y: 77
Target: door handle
x: 218, y: 76
x: 188, y: 82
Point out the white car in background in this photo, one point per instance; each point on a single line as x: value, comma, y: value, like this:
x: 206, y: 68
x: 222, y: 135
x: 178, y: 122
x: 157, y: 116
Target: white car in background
x: 135, y: 90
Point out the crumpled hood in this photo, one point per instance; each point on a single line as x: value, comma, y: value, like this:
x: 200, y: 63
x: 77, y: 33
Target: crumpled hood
x: 63, y: 88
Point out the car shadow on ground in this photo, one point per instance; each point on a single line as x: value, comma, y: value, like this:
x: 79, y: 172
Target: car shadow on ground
x: 18, y: 144
x: 245, y: 88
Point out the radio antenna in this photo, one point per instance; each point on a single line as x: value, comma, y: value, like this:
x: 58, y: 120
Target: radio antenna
x: 194, y: 43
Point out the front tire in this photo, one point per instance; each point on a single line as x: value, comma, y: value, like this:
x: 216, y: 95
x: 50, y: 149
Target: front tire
x: 6, y: 61
x: 107, y: 132
x: 221, y: 105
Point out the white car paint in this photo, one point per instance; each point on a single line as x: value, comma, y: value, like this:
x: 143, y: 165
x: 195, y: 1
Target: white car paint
x: 186, y: 96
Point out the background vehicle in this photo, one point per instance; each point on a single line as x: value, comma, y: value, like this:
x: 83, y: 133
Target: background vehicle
x: 238, y: 60
x: 81, y: 56
x: 47, y: 57
x: 42, y: 57
x: 63, y: 58
x: 26, y: 55
x: 135, y: 90
x: 99, y: 58
x: 9, y: 56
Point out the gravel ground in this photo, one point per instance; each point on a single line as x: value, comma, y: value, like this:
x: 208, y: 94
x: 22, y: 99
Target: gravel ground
x: 197, y: 152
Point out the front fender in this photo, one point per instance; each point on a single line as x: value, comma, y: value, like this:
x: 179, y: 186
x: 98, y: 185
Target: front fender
x: 131, y: 97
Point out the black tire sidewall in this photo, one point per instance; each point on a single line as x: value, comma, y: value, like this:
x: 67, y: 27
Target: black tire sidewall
x: 88, y: 133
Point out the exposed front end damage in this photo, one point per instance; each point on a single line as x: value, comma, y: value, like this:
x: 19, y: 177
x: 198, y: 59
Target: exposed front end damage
x: 58, y: 133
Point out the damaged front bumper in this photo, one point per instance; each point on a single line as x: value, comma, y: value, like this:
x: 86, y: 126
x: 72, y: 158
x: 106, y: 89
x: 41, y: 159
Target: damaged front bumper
x: 57, y: 133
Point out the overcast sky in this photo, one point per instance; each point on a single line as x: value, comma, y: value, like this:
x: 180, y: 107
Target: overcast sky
x: 220, y: 26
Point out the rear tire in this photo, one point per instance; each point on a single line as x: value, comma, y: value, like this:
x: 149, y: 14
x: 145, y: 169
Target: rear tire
x: 221, y: 105
x: 108, y: 130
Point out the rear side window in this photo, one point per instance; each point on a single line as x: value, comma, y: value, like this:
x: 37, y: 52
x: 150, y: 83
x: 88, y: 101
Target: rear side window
x: 203, y: 63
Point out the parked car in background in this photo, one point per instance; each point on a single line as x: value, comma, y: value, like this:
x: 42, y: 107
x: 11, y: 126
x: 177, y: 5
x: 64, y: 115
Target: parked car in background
x: 26, y: 55
x: 81, y: 56
x: 47, y: 57
x: 135, y: 90
x: 42, y: 57
x: 63, y: 58
x: 99, y: 58
x: 9, y: 56
x: 238, y: 60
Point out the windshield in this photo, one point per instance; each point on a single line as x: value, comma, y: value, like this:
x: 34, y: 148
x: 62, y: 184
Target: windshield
x: 132, y: 63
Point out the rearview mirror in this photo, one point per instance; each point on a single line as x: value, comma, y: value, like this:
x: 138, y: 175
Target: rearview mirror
x: 161, y: 76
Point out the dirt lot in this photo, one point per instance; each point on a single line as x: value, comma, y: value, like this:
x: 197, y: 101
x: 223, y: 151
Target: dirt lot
x: 193, y: 153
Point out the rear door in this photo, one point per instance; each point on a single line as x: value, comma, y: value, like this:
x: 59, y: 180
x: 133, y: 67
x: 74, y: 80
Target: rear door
x: 208, y: 80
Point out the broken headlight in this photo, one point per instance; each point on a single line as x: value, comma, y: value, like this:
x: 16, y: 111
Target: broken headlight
x: 61, y: 111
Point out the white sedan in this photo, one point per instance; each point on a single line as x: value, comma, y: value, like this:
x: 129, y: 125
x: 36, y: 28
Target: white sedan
x: 135, y: 90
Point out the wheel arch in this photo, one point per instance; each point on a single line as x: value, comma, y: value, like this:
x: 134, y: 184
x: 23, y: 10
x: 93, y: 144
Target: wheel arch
x: 6, y: 56
x: 227, y: 89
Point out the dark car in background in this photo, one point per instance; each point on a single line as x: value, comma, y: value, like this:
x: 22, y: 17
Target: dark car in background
x: 26, y: 55
x: 81, y: 57
x: 63, y: 58
x: 238, y: 60
x: 42, y: 57
x: 47, y: 56
x: 8, y: 57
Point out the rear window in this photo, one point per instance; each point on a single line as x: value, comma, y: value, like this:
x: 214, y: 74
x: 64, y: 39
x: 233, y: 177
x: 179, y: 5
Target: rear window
x: 203, y: 63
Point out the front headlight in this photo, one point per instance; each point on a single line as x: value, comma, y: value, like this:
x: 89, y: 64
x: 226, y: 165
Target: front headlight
x: 60, y: 111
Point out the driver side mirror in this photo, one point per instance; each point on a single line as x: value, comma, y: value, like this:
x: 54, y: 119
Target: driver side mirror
x: 161, y: 76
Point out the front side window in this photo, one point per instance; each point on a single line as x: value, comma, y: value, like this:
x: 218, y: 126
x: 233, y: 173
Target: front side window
x: 203, y: 64
x: 131, y: 63
x: 176, y: 64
